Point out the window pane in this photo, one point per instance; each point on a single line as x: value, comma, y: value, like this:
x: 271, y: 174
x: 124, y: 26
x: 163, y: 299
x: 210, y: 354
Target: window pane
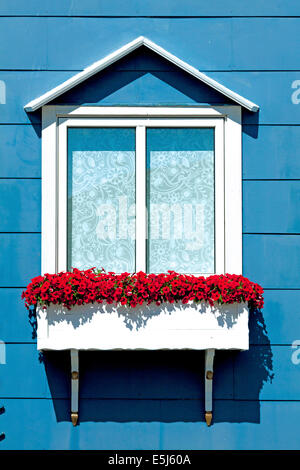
x: 180, y: 200
x: 101, y: 198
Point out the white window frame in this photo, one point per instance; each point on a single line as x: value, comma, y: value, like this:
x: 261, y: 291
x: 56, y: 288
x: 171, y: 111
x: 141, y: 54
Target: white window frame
x: 226, y: 120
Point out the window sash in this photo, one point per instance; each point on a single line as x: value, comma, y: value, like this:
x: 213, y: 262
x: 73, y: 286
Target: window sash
x: 141, y: 230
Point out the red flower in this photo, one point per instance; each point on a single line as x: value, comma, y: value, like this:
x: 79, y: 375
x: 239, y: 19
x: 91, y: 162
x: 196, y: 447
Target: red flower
x: 87, y: 286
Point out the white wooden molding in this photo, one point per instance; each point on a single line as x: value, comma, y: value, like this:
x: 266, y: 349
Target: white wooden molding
x: 141, y: 124
x: 123, y: 51
x: 140, y: 197
x: 226, y: 120
x: 49, y: 190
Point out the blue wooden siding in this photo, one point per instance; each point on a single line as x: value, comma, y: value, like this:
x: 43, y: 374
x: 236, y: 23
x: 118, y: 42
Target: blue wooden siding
x: 265, y: 88
x: 210, y: 47
x: 117, y: 8
x: 144, y: 400
x: 20, y: 151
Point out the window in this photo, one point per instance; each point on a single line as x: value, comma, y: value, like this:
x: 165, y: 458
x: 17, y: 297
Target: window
x: 149, y: 189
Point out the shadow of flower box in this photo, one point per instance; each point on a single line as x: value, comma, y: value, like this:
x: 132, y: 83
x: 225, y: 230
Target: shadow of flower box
x: 167, y: 326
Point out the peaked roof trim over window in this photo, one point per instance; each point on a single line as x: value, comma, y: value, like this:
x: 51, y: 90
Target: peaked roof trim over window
x: 122, y: 52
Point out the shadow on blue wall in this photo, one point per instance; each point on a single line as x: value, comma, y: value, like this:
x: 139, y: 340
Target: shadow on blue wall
x: 143, y: 78
x: 32, y: 321
x: 163, y: 386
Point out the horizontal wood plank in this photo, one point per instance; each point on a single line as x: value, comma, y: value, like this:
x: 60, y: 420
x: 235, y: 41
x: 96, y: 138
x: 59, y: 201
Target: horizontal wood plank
x: 20, y: 255
x: 210, y: 44
x: 271, y: 152
x: 20, y: 148
x: 272, y: 260
x: 153, y: 8
x: 160, y: 88
x: 271, y: 206
x: 145, y: 424
x: 20, y: 205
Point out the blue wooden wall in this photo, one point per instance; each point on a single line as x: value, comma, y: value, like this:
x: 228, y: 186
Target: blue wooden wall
x: 154, y: 400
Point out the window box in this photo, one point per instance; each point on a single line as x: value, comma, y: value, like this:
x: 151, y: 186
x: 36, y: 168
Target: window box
x: 95, y: 310
x: 167, y: 326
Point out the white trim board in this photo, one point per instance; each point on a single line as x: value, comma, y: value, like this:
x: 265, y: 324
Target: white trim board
x: 122, y: 52
x: 225, y: 119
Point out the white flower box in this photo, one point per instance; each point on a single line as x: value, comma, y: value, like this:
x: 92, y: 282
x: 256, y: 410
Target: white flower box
x: 168, y: 326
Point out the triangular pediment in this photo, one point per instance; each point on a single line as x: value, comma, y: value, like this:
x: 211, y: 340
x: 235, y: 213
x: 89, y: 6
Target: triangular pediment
x: 124, y: 51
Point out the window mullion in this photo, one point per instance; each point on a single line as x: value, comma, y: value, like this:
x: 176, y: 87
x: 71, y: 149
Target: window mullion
x: 219, y: 199
x: 62, y: 198
x: 141, y: 215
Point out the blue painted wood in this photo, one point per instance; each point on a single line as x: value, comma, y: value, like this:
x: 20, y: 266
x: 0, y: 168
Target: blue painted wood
x: 208, y: 46
x: 153, y: 8
x: 271, y: 206
x: 89, y: 39
x: 16, y: 325
x: 271, y: 152
x: 273, y: 426
x: 279, y: 320
x: 130, y: 375
x: 128, y: 88
x: 272, y: 260
x: 19, y: 258
x: 46, y: 432
x: 264, y: 372
x: 279, y: 376
x: 265, y: 88
x: 238, y: 425
x: 20, y: 205
x: 22, y: 87
x: 142, y: 88
x: 142, y: 400
x: 16, y: 380
x: 152, y: 375
x: 20, y: 149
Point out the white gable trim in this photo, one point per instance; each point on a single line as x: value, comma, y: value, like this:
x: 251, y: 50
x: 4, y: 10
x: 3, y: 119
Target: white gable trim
x: 123, y: 51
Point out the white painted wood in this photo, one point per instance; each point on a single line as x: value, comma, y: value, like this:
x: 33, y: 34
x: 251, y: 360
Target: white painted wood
x: 228, y: 187
x: 141, y: 230
x: 123, y: 51
x: 140, y: 122
x: 209, y: 368
x: 168, y: 326
x: 49, y: 191
x: 142, y: 111
x: 74, y: 381
x: 140, y: 186
x: 233, y: 193
x: 62, y: 186
x: 219, y: 198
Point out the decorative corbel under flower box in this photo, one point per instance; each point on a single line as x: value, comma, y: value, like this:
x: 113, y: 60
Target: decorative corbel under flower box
x: 94, y: 310
x: 168, y: 326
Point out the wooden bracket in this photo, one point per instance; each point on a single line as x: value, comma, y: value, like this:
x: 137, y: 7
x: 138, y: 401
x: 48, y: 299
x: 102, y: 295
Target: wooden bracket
x: 209, y: 362
x: 74, y: 385
x: 209, y: 365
